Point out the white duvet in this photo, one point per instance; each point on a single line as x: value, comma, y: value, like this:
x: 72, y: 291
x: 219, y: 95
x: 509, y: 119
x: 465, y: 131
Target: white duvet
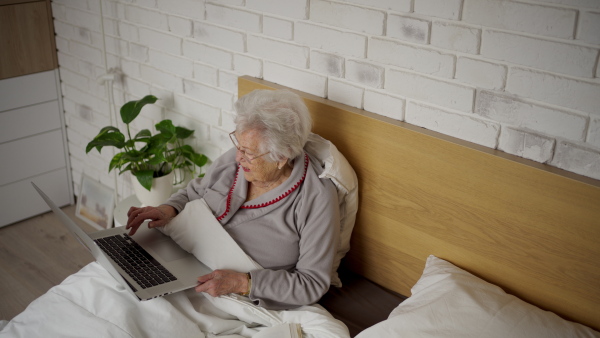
x: 91, y: 303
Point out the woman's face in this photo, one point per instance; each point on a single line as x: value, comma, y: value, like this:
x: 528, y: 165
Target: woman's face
x: 258, y: 169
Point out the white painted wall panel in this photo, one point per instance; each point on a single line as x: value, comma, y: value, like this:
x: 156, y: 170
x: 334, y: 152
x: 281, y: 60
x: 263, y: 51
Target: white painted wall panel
x: 19, y: 200
x: 27, y: 90
x: 31, y: 156
x: 28, y: 121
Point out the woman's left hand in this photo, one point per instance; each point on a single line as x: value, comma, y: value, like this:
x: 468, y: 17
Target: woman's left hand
x: 222, y: 282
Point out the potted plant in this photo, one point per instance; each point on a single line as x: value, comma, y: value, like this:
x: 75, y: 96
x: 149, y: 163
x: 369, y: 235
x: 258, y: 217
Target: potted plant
x: 148, y: 156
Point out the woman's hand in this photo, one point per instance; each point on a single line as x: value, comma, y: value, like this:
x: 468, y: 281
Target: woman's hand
x: 222, y: 282
x: 159, y: 217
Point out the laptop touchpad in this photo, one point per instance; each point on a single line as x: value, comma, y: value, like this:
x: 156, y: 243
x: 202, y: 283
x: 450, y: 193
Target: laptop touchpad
x: 168, y: 250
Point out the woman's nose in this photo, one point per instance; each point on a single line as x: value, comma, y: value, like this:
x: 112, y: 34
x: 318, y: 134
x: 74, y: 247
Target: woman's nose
x: 239, y: 156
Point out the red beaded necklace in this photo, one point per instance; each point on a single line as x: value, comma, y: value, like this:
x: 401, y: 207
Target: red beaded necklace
x: 262, y: 205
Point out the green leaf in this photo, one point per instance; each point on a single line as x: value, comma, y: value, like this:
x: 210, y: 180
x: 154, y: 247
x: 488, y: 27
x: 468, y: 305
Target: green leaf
x: 131, y: 109
x: 134, y: 156
x: 183, y: 133
x: 145, y: 178
x: 160, y: 140
x: 166, y: 131
x: 148, y: 155
x: 108, y: 136
x: 186, y: 149
x: 199, y: 159
x: 156, y: 160
x: 165, y: 126
x: 127, y: 167
x: 130, y: 144
x: 143, y: 133
x: 116, y: 162
x: 108, y: 129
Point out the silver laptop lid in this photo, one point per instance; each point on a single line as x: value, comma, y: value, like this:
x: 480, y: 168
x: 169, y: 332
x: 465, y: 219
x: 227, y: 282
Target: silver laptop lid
x: 85, y: 240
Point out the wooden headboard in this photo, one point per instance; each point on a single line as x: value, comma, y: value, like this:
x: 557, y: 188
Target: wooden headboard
x: 531, y: 229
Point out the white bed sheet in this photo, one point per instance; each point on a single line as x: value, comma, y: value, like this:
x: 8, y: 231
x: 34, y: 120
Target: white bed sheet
x: 91, y: 303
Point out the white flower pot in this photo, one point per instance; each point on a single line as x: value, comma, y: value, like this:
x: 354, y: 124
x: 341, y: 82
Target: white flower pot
x: 162, y: 188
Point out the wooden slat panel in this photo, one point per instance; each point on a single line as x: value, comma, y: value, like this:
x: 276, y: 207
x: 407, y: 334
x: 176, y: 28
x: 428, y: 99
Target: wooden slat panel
x: 530, y: 228
x: 26, y: 39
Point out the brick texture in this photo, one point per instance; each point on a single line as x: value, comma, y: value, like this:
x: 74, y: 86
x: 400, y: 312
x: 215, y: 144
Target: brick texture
x: 518, y: 76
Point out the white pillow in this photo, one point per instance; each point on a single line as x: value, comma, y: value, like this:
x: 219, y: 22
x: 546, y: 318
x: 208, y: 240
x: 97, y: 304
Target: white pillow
x: 337, y: 168
x: 450, y: 302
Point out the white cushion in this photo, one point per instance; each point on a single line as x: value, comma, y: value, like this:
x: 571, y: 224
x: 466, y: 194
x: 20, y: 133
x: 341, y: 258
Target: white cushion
x: 450, y: 302
x: 337, y: 168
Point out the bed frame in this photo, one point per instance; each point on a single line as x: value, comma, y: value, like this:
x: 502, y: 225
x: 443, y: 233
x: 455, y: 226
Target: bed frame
x: 529, y: 228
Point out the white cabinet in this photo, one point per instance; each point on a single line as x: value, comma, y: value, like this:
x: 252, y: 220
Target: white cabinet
x: 32, y: 146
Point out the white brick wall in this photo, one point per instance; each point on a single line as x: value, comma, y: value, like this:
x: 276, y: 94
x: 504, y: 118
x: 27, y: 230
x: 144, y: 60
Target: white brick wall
x: 526, y: 144
x: 278, y: 28
x: 147, y: 17
x: 160, y: 41
x: 394, y: 5
x: 527, y: 18
x: 458, y: 125
x: 244, y: 64
x: 180, y: 26
x: 232, y: 17
x: 384, y: 104
x: 327, y: 63
x: 213, y: 56
x: 519, y: 76
x: 192, y: 9
x: 364, y: 73
x: 412, y: 57
x: 594, y: 132
x: 224, y: 37
x: 549, y: 55
x: 278, y: 51
x: 480, y: 73
x: 212, y: 96
x: 456, y: 37
x: 354, y: 18
x: 581, y: 160
x: 179, y: 66
x: 557, y: 90
x: 506, y: 109
x: 331, y: 39
x: 408, y: 29
x: 589, y: 29
x: 447, y: 9
x: 296, y: 9
x: 306, y: 81
x: 429, y: 89
x: 346, y: 93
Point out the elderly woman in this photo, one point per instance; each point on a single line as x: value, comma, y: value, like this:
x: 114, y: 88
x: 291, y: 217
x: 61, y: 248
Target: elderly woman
x: 267, y: 194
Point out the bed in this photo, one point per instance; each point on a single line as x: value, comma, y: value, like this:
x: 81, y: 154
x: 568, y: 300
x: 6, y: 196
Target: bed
x: 529, y: 228
x: 450, y: 239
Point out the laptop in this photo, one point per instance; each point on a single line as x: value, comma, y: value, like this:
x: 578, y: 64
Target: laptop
x: 148, y: 264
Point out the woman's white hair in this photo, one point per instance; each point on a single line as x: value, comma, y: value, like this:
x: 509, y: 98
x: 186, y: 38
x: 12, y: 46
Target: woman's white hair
x: 280, y: 117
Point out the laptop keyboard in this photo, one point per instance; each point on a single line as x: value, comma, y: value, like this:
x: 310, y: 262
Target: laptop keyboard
x: 136, y: 261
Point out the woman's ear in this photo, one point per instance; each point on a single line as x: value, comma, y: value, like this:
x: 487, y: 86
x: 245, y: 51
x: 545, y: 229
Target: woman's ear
x: 281, y: 163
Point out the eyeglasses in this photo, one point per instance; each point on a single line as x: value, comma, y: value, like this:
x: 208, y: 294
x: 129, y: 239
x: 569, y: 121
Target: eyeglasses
x: 249, y: 158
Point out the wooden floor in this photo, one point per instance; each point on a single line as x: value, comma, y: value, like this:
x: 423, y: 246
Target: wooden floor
x: 35, y: 255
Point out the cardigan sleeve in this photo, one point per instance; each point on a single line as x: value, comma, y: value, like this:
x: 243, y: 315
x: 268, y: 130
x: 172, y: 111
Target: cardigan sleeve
x: 317, y: 218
